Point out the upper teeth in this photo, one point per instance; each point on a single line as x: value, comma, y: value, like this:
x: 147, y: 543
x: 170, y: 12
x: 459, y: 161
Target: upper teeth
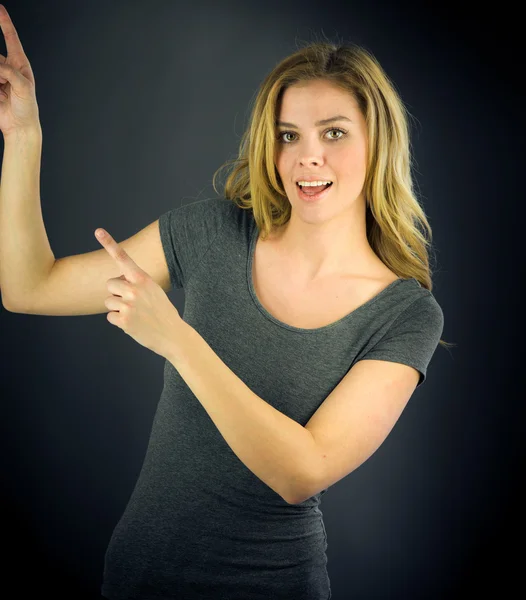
x: 302, y: 183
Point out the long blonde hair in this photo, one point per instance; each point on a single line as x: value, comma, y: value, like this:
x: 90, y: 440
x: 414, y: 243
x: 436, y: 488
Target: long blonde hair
x: 394, y: 217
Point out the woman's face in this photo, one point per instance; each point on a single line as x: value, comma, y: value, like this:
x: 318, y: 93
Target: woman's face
x: 335, y: 151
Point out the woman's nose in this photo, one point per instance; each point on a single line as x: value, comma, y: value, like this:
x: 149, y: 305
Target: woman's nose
x: 311, y: 152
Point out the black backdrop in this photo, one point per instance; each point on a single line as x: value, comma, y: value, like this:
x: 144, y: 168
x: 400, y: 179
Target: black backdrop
x: 140, y: 102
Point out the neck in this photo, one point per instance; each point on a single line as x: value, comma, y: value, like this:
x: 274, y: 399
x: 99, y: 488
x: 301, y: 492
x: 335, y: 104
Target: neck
x: 335, y: 247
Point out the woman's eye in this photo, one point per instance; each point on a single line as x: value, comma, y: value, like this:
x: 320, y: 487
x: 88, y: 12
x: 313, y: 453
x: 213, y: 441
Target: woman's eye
x: 280, y: 136
x: 284, y: 133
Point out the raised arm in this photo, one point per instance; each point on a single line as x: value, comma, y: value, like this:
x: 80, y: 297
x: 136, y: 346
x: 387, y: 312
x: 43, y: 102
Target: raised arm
x: 24, y: 247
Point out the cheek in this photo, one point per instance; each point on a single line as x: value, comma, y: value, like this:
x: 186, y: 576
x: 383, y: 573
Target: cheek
x: 352, y: 162
x: 284, y: 166
x: 280, y: 161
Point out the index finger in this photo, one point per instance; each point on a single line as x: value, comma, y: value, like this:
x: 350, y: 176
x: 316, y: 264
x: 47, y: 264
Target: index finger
x: 114, y: 249
x: 12, y: 41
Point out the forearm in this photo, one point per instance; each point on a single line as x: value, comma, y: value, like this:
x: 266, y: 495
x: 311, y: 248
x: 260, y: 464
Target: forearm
x: 26, y: 257
x: 274, y: 447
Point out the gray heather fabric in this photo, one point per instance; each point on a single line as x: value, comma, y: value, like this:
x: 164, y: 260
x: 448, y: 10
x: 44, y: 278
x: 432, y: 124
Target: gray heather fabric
x: 199, y: 523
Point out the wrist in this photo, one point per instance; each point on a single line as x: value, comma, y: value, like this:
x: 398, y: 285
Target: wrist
x: 23, y: 135
x: 180, y: 339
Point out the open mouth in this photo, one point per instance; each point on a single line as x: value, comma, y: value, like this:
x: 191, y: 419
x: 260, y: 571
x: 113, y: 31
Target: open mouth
x: 302, y: 188
x: 306, y: 194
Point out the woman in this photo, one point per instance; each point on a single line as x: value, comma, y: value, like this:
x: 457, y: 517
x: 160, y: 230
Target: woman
x: 310, y: 281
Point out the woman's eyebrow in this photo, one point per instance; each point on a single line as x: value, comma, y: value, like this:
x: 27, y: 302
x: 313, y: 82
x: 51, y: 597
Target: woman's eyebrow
x: 318, y: 123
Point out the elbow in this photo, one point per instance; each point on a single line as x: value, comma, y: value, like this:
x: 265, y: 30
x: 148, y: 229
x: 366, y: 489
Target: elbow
x: 8, y: 305
x: 308, y: 475
x: 306, y: 486
x: 301, y: 495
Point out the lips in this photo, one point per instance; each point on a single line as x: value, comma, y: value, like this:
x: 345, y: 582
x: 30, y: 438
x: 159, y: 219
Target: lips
x: 310, y: 179
x: 313, y: 197
x: 327, y: 185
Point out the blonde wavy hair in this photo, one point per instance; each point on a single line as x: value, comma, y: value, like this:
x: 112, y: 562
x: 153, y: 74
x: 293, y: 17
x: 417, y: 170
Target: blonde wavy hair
x: 396, y: 223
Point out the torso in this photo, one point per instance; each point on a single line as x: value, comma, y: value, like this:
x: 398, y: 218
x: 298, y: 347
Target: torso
x: 310, y: 305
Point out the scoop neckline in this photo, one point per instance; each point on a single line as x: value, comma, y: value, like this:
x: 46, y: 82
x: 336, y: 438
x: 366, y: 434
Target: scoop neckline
x: 250, y: 260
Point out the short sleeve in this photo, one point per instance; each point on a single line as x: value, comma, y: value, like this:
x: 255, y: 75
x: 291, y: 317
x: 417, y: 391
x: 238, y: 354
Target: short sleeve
x: 187, y: 232
x: 413, y: 336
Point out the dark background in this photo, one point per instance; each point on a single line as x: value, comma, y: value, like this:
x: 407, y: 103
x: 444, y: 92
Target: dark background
x: 140, y: 102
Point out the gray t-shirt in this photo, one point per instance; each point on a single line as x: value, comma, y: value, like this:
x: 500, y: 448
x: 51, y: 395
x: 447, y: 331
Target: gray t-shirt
x: 199, y: 524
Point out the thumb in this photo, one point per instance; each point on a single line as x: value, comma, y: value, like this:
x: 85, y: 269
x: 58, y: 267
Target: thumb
x: 20, y: 84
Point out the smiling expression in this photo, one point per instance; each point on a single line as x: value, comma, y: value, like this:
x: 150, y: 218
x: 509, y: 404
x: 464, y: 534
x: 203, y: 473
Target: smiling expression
x: 334, y: 151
